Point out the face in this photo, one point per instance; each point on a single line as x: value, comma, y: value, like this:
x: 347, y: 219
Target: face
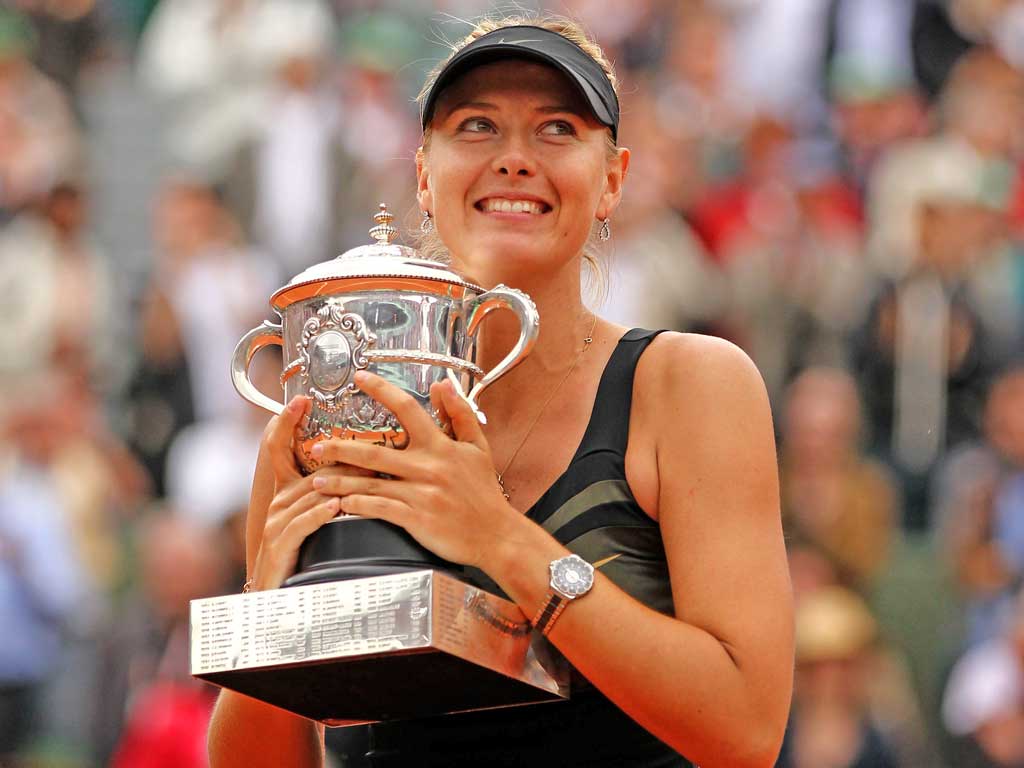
x: 516, y: 171
x: 822, y: 417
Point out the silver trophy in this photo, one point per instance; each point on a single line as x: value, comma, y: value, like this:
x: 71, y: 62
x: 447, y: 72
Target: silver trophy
x: 373, y: 626
x: 381, y: 308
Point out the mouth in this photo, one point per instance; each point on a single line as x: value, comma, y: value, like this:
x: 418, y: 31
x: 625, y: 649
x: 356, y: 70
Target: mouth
x: 512, y: 205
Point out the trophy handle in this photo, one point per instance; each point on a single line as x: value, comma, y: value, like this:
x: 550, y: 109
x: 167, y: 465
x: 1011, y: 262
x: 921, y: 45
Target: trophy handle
x: 500, y: 297
x: 262, y: 336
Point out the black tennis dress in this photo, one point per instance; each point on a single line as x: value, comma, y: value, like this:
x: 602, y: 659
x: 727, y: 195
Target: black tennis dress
x: 590, y: 510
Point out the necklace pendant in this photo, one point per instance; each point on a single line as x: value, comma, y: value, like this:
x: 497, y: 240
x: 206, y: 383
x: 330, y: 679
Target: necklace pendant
x: 501, y: 484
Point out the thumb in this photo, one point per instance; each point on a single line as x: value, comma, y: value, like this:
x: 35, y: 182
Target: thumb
x: 278, y: 440
x: 463, y: 418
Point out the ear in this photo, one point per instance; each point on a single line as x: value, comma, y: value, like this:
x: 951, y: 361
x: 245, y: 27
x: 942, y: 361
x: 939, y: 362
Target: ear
x: 616, y: 175
x: 423, y: 194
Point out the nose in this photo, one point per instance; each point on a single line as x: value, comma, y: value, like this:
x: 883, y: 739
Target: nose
x: 513, y: 160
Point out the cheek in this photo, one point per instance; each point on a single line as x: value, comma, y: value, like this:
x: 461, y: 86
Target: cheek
x: 446, y: 171
x: 580, y: 196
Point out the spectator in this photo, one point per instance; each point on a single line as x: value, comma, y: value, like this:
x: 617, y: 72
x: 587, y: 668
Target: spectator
x: 834, y: 500
x: 926, y: 352
x: 212, y: 60
x: 287, y: 182
x: 869, y: 82
x: 787, y: 235
x: 40, y: 589
x: 70, y: 35
x: 983, y: 704
x: 150, y: 706
x: 158, y: 398
x: 378, y: 129
x: 944, y: 31
x: 59, y: 294
x: 201, y: 247
x: 831, y: 723
x: 661, y: 275
x: 697, y: 114
x: 980, y: 515
x: 38, y: 139
x: 55, y: 437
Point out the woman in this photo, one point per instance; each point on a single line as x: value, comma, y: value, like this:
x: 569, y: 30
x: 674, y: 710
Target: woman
x: 661, y: 444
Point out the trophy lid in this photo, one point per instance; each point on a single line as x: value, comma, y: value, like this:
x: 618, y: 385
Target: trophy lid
x: 384, y: 260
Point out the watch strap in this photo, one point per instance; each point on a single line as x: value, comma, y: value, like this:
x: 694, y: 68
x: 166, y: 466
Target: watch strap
x: 552, y: 608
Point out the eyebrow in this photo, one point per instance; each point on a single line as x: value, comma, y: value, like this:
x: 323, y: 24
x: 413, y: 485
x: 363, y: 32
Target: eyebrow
x: 468, y: 104
x: 559, y: 108
x: 548, y: 110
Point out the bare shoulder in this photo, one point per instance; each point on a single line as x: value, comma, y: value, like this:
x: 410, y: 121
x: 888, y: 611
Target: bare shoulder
x: 697, y: 374
x: 700, y: 411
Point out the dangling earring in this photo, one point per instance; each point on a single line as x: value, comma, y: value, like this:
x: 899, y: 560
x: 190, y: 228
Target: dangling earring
x: 606, y: 231
x: 427, y: 225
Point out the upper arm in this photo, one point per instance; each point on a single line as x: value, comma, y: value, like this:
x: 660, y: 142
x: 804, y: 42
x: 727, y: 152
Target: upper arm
x: 718, y: 506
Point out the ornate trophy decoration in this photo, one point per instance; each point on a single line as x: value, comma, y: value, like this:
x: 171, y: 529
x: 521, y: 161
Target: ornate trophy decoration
x: 381, y: 308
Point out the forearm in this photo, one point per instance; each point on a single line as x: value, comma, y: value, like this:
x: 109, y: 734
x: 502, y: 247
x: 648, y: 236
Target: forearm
x: 246, y: 733
x: 675, y: 679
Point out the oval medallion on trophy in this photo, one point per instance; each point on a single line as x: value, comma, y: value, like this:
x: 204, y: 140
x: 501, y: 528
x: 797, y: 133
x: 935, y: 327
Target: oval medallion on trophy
x: 330, y: 357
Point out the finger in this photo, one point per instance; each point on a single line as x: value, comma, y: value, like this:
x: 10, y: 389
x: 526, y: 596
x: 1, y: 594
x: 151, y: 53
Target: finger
x: 344, y: 469
x: 279, y: 439
x: 437, y: 403
x: 399, y: 490
x: 366, y: 456
x: 292, y: 492
x: 377, y: 507
x: 464, y: 421
x: 282, y: 516
x: 302, y: 525
x: 414, y: 420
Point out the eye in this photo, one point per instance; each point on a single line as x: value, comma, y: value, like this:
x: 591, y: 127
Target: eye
x: 476, y: 125
x: 558, y: 128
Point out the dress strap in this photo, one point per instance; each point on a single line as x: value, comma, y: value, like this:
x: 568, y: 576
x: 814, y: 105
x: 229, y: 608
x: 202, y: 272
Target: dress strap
x: 609, y: 423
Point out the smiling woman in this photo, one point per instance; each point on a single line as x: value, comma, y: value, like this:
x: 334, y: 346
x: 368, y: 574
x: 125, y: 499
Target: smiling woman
x: 648, y: 455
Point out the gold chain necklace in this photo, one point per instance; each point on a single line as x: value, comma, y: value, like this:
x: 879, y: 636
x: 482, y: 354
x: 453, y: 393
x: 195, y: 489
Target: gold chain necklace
x: 579, y: 355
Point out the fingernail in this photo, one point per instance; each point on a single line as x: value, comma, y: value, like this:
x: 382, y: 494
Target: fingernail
x: 296, y: 404
x: 334, y: 504
x: 317, y: 450
x: 360, y: 377
x: 319, y: 482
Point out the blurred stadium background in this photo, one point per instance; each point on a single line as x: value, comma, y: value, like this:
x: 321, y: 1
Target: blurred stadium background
x: 835, y: 185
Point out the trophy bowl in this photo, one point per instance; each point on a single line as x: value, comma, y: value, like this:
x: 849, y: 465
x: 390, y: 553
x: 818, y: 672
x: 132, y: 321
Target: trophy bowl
x: 381, y: 308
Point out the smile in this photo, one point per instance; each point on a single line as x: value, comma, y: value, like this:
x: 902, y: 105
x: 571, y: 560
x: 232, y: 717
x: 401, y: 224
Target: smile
x: 504, y: 205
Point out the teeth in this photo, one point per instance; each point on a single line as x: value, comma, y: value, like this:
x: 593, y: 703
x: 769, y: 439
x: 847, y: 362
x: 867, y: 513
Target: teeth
x: 501, y: 205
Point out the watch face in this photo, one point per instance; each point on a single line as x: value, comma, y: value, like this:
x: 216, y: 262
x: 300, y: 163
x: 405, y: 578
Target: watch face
x: 572, y: 576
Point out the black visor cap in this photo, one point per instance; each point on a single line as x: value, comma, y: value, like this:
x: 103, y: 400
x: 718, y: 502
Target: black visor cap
x: 539, y: 44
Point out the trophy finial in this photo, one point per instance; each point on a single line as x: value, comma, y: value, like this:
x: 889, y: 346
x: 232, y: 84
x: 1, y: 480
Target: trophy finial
x: 383, y: 232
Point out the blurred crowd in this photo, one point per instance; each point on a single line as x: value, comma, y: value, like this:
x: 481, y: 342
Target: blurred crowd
x: 834, y: 185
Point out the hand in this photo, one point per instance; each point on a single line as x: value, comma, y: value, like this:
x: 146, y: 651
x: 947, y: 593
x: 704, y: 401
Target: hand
x: 444, y: 492
x: 297, y: 509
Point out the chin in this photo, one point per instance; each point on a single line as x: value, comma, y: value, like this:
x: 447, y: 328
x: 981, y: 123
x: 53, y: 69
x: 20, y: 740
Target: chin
x: 510, y: 265
x: 514, y: 258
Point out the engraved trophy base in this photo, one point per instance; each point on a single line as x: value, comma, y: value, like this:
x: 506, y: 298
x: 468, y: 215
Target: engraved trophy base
x: 390, y: 647
x: 337, y: 552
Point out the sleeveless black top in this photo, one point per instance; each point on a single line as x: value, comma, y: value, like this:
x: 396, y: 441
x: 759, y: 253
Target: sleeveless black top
x: 591, y: 511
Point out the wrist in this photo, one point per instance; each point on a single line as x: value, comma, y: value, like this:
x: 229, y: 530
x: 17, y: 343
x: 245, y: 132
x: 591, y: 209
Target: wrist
x: 520, y: 563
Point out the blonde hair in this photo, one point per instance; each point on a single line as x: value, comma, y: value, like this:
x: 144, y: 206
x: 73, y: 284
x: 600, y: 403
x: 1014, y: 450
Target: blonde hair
x: 429, y: 243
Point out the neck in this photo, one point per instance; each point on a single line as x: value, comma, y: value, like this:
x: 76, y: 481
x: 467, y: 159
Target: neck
x: 564, y: 323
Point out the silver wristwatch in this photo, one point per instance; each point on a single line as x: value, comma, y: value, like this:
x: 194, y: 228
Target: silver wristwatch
x: 571, y: 577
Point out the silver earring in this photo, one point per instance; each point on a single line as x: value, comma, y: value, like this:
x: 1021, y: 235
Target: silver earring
x: 606, y: 231
x: 427, y: 225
